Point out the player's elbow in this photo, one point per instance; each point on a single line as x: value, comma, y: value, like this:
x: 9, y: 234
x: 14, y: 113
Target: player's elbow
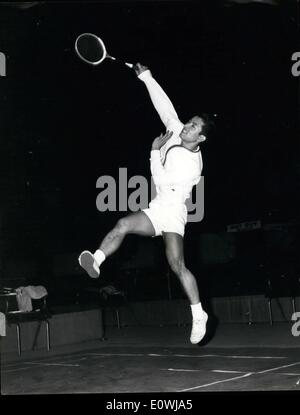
x: 168, y: 119
x: 157, y: 181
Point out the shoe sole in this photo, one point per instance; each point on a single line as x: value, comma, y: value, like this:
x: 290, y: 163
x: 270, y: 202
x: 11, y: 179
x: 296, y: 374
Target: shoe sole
x: 86, y: 261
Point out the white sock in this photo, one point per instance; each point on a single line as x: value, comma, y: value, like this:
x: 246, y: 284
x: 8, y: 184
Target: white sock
x: 99, y: 256
x: 197, y: 311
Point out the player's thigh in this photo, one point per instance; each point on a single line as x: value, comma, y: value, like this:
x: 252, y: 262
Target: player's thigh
x: 139, y: 223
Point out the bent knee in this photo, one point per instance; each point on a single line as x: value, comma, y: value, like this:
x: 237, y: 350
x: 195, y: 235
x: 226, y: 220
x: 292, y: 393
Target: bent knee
x: 123, y: 225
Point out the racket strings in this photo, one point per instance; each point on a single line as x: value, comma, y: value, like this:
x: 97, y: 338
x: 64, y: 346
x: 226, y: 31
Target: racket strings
x: 90, y: 49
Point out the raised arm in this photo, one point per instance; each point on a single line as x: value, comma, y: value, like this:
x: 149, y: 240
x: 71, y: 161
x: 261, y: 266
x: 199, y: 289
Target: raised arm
x: 159, y: 98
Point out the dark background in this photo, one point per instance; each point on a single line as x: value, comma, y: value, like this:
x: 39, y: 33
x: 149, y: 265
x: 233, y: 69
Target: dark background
x: 65, y: 123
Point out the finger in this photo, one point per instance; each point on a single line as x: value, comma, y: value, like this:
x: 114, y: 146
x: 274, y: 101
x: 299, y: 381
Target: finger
x: 165, y: 139
x: 168, y: 135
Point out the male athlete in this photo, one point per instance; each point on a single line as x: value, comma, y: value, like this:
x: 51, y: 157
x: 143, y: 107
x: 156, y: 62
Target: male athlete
x: 176, y: 166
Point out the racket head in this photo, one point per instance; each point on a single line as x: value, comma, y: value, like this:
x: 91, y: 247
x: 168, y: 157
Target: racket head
x: 90, y: 48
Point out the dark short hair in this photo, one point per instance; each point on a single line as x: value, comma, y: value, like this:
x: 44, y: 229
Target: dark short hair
x: 209, y: 123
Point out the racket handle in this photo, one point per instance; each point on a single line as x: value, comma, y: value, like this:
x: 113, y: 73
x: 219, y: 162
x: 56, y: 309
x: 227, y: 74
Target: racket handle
x: 130, y: 65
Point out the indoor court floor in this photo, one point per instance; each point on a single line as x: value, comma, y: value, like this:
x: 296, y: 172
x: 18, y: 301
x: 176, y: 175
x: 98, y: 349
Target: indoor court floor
x: 160, y: 359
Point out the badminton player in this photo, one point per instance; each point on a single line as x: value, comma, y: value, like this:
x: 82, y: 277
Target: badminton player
x: 176, y: 166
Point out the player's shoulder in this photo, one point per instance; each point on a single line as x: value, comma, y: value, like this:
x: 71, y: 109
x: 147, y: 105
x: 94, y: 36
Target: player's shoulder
x: 185, y: 152
x: 181, y: 154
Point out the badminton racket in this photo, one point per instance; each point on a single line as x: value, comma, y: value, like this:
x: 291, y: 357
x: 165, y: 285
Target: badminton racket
x: 91, y: 49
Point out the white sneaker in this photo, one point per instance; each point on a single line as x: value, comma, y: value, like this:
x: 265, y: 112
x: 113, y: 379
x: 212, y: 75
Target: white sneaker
x: 87, y: 262
x: 199, y: 329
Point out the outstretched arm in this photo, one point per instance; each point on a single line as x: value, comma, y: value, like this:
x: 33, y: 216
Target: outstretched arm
x: 159, y: 98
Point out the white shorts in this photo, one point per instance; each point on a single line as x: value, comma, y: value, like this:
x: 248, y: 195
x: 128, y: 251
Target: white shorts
x: 167, y: 217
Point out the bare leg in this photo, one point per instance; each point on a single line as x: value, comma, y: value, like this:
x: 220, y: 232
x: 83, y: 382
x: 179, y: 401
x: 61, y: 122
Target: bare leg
x: 175, y: 257
x: 136, y: 223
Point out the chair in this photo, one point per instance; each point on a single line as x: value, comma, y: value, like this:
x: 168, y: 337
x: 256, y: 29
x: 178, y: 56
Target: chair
x: 279, y: 287
x: 40, y: 313
x: 108, y: 298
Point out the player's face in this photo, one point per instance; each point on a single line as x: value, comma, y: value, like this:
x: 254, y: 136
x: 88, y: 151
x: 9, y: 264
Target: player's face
x: 191, y: 132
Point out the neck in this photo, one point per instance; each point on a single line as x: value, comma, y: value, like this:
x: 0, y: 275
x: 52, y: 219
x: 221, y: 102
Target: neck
x: 190, y: 146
